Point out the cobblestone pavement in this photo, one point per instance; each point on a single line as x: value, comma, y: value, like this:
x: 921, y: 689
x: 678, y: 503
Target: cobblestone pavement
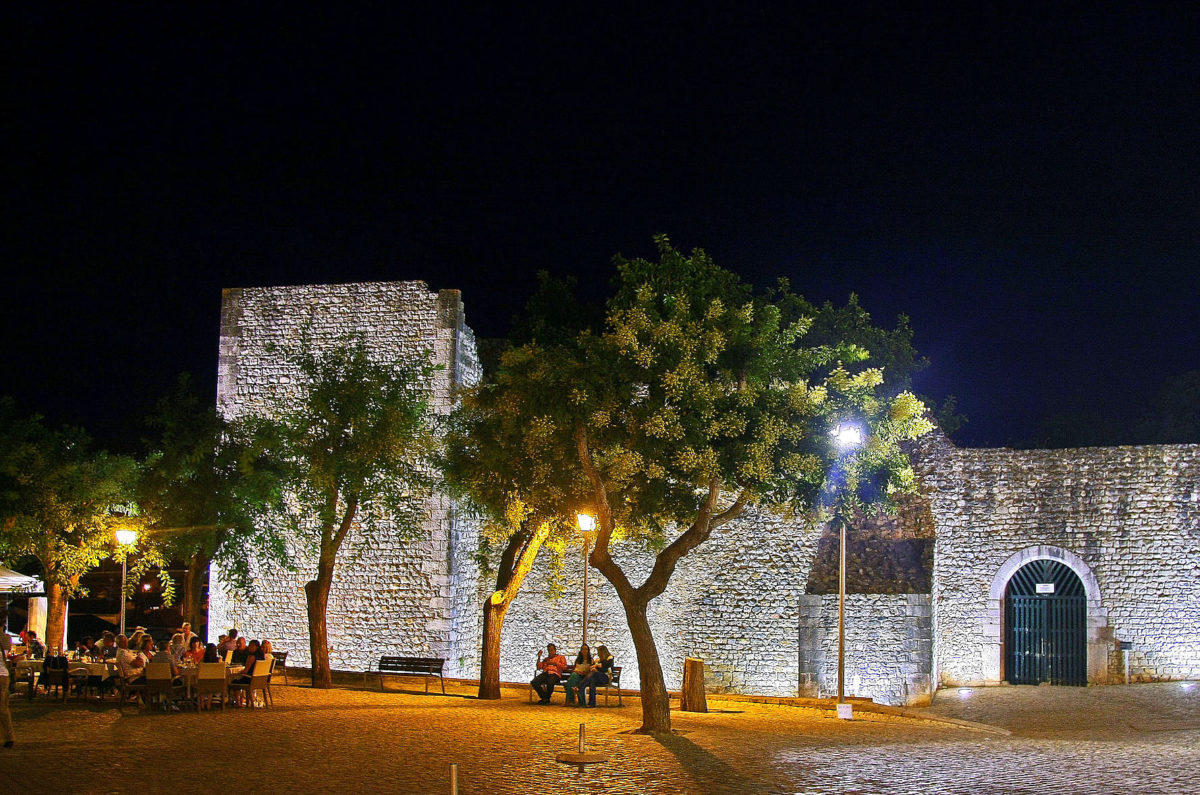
x: 347, y: 740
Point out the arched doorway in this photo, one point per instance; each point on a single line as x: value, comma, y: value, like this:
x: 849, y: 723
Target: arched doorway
x: 1045, y: 625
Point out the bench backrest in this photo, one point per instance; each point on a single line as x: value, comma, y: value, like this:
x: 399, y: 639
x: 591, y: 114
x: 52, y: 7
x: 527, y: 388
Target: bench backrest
x: 420, y: 664
x: 616, y: 675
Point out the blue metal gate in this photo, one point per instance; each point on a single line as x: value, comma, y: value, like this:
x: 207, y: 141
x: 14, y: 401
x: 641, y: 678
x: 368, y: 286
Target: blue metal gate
x: 1045, y: 629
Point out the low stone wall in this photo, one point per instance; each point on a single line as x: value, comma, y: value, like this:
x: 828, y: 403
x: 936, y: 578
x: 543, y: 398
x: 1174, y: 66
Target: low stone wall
x: 889, y: 647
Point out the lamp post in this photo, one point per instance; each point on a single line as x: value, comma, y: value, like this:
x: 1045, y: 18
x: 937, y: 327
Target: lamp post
x: 125, y: 538
x: 587, y: 526
x: 847, y: 437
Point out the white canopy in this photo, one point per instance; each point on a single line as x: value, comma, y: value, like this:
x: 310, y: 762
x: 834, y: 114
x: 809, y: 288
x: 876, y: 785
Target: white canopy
x: 11, y: 581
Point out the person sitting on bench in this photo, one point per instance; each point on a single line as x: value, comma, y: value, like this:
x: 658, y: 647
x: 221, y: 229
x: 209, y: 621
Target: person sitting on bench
x: 601, y: 674
x: 550, y: 670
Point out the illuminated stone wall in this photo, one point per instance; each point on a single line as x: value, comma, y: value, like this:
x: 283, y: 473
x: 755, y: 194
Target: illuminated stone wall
x: 734, y: 602
x: 889, y: 641
x: 1127, y: 519
x: 394, y: 597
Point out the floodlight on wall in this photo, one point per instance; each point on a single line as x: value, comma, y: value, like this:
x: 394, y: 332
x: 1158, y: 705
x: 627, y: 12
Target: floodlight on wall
x: 847, y: 436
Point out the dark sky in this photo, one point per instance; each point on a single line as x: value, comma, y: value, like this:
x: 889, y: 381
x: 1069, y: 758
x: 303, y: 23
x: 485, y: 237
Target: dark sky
x: 1023, y: 185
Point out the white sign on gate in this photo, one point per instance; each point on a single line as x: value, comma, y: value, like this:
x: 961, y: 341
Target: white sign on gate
x: 1045, y: 587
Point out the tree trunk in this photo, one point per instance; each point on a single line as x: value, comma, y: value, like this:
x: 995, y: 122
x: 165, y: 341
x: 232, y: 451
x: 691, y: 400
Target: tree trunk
x: 193, y: 593
x: 656, y: 702
x: 56, y: 617
x: 316, y: 593
x: 489, y: 668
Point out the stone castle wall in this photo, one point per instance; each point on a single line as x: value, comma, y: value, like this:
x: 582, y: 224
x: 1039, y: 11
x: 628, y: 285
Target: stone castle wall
x: 734, y: 602
x: 389, y: 595
x: 1127, y: 519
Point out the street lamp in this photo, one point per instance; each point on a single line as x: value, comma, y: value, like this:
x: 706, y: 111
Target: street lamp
x: 125, y: 538
x: 847, y: 437
x: 587, y: 526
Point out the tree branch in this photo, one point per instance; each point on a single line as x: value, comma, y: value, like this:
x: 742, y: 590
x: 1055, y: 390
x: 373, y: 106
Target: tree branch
x: 600, y: 558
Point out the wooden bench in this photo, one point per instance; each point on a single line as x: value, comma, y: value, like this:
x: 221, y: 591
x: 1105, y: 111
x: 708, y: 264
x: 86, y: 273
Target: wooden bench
x: 614, y: 682
x: 425, y: 667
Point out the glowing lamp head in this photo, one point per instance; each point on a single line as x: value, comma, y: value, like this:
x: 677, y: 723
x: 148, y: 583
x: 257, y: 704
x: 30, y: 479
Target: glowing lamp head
x: 847, y: 436
x: 126, y: 537
x: 586, y: 522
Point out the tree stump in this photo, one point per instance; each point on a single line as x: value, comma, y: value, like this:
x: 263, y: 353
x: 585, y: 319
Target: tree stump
x: 691, y: 697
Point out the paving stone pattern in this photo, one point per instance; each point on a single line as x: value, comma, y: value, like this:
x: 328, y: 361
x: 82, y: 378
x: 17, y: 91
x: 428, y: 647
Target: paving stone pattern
x: 365, y: 741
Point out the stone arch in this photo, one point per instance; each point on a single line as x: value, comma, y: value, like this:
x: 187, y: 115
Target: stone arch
x: 1099, y: 635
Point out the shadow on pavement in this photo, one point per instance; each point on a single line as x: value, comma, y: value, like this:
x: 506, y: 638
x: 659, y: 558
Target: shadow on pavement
x: 708, y: 772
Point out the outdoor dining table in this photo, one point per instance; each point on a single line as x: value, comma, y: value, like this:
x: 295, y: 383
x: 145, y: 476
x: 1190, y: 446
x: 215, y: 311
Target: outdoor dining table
x: 189, y: 674
x: 90, y: 674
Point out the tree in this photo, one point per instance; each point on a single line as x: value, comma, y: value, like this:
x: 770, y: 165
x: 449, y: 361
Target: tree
x: 203, y: 487
x: 695, y: 401
x: 61, y: 502
x: 487, y: 457
x: 353, y: 450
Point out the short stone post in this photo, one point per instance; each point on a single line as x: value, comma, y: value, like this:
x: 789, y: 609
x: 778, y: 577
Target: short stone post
x: 691, y: 696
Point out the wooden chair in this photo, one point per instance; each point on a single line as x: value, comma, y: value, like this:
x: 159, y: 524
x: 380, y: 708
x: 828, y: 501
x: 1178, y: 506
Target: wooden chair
x: 280, y: 668
x: 229, y: 657
x: 260, y: 682
x: 130, y: 687
x: 272, y: 661
x: 54, y: 675
x: 211, y: 680
x: 161, y: 685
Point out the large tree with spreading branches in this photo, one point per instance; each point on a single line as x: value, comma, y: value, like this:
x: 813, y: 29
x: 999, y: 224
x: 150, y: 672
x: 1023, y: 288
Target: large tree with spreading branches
x: 693, y: 400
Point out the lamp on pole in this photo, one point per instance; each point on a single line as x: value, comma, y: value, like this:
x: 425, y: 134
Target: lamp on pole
x: 125, y: 538
x: 587, y: 527
x: 846, y: 437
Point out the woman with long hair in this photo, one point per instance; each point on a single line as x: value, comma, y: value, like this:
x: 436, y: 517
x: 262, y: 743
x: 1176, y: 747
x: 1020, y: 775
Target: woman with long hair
x: 601, y: 674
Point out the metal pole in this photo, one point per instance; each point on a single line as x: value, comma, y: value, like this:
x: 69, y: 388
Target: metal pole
x: 123, y: 593
x: 585, y: 588
x: 842, y: 612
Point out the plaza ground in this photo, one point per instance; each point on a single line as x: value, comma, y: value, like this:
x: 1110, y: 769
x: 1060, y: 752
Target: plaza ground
x: 1141, y: 738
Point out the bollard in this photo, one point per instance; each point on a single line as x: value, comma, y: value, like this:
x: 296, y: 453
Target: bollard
x: 581, y: 757
x: 453, y: 778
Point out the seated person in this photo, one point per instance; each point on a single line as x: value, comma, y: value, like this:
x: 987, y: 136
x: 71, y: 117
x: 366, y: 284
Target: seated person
x: 239, y: 652
x: 601, y: 674
x: 176, y: 648
x: 581, y: 668
x: 36, y: 649
x: 163, y: 656
x: 550, y: 670
x: 254, y: 658
x: 195, y: 652
x: 230, y: 642
x: 211, y: 654
x: 129, y: 666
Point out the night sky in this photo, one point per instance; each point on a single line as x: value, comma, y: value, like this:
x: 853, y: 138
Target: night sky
x: 1024, y: 186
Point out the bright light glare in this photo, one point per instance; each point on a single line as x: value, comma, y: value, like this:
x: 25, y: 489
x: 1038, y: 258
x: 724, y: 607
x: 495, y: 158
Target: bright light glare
x: 1186, y: 685
x: 126, y: 537
x: 587, y: 522
x: 146, y: 587
x: 847, y: 436
x: 964, y: 692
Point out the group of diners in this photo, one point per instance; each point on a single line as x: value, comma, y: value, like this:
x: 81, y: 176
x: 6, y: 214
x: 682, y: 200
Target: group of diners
x: 185, y: 649
x: 585, y: 674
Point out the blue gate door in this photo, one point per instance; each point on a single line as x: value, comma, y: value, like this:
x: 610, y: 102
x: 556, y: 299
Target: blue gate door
x: 1045, y: 631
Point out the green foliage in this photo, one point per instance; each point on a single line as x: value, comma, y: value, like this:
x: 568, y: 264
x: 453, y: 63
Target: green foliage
x: 60, y: 500
x: 357, y: 441
x: 204, y: 485
x: 692, y: 380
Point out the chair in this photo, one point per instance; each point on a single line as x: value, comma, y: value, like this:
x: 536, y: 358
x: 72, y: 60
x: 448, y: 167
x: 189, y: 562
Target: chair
x: 260, y: 682
x: 271, y: 661
x: 229, y: 657
x: 211, y: 680
x: 280, y: 666
x: 161, y: 685
x: 130, y: 687
x: 615, y: 681
x: 54, y: 674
